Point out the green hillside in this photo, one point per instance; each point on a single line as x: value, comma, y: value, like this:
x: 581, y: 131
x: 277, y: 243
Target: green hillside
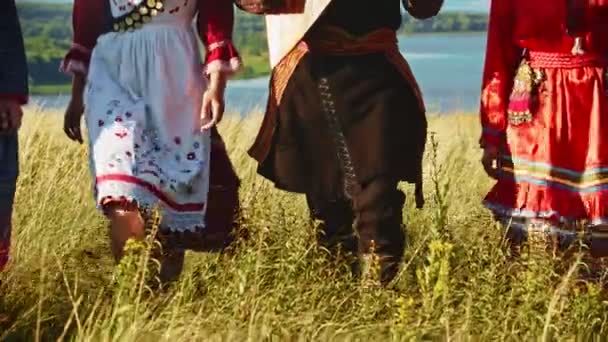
x: 47, y: 30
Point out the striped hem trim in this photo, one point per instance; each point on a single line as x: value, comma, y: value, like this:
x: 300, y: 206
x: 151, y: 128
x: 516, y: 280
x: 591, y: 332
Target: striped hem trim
x: 548, y: 229
x: 552, y: 215
x: 543, y: 174
x: 548, y: 166
x: 540, y: 227
x: 521, y: 176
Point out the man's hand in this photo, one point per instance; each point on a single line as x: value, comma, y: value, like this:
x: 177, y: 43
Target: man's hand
x: 213, y: 101
x: 10, y: 115
x: 490, y: 161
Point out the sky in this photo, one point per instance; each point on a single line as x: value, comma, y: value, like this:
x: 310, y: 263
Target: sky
x: 453, y: 5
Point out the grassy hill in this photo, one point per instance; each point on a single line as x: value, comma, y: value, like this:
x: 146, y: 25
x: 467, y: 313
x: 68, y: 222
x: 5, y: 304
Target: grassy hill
x: 47, y: 33
x: 47, y: 30
x: 457, y: 283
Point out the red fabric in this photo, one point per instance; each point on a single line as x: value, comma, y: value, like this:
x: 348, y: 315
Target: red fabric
x: 565, y: 60
x: 223, y: 53
x: 5, y: 241
x: 501, y: 61
x: 5, y: 246
x: 87, y: 23
x: 215, y: 26
x: 538, y: 25
x: 556, y: 165
x: 22, y: 99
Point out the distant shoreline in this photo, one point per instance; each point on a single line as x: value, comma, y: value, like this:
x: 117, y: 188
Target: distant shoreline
x: 65, y: 88
x: 48, y: 34
x: 446, y: 33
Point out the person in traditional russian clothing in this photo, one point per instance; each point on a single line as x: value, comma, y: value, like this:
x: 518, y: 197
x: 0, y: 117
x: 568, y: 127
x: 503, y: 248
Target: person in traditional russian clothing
x: 13, y: 94
x: 151, y: 146
x: 544, y: 106
x: 345, y: 121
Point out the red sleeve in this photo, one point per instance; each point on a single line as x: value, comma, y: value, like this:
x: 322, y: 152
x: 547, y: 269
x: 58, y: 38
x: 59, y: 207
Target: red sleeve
x: 215, y: 25
x: 502, y: 57
x: 22, y: 99
x: 87, y: 23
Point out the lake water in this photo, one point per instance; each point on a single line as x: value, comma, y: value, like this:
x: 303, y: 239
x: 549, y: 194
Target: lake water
x: 448, y: 68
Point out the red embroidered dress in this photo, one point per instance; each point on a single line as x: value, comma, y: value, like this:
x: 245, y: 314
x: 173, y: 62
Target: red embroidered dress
x: 145, y: 83
x: 548, y: 117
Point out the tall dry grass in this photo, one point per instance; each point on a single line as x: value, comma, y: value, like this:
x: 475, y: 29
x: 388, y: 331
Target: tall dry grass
x: 456, y: 282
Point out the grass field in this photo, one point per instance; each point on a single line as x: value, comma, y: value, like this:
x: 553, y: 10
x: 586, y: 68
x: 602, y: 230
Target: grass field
x: 456, y: 283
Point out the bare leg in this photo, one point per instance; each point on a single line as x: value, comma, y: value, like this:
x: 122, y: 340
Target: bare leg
x: 125, y: 223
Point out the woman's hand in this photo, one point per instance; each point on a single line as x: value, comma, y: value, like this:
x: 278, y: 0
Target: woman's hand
x: 73, y: 114
x: 489, y: 160
x: 213, y: 101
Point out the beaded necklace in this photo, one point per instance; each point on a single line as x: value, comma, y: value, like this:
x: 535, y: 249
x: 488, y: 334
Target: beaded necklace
x: 140, y: 15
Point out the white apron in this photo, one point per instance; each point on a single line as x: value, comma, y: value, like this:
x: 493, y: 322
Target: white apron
x: 143, y: 104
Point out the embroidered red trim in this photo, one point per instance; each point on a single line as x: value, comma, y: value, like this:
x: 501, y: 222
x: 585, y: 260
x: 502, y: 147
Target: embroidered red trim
x: 154, y: 190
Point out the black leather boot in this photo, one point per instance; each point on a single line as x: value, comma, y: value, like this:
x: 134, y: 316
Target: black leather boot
x: 335, y: 231
x: 379, y: 224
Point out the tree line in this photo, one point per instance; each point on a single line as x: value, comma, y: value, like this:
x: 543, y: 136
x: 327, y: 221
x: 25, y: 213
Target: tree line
x: 47, y: 32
